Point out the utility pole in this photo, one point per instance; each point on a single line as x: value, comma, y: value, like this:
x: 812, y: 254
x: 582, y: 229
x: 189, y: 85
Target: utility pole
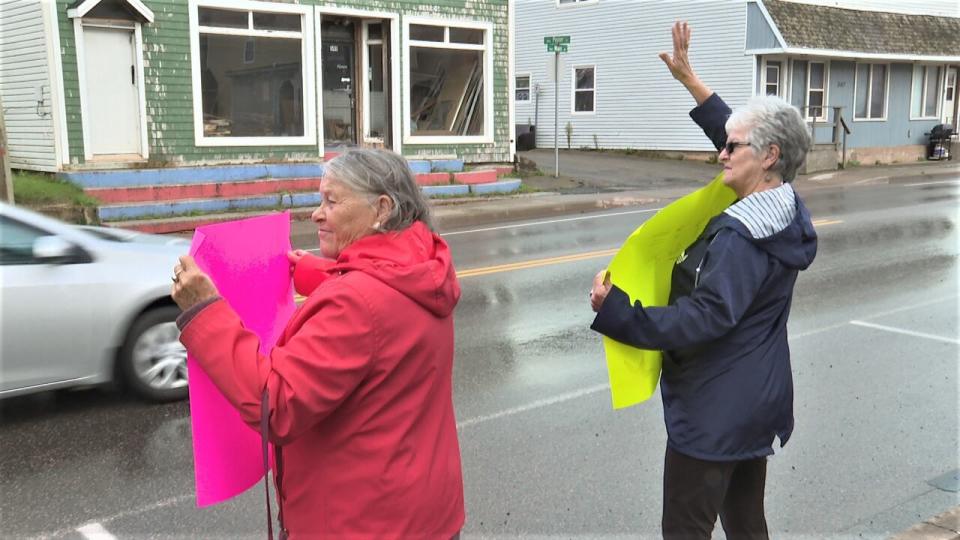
x: 6, y: 177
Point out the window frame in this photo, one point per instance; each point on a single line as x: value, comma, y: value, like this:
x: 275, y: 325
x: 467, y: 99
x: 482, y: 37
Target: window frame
x: 923, y: 89
x: 825, y: 90
x: 366, y: 41
x: 486, y: 48
x: 783, y: 82
x: 307, y: 66
x: 529, y: 87
x: 574, y: 90
x: 886, y: 91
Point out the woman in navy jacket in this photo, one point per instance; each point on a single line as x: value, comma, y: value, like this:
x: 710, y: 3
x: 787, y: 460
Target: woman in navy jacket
x: 726, y: 382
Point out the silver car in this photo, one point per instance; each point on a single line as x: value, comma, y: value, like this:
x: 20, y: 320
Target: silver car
x: 87, y: 305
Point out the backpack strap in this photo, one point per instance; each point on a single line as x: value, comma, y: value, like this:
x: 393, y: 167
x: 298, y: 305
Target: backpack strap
x: 264, y: 429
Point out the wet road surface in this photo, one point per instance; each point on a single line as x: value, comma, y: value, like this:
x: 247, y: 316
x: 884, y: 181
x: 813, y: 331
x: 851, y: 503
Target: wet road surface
x: 874, y: 335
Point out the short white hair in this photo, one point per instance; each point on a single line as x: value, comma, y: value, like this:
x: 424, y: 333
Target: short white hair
x: 771, y: 120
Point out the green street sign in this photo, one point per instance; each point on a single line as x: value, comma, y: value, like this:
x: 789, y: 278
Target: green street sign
x: 556, y: 43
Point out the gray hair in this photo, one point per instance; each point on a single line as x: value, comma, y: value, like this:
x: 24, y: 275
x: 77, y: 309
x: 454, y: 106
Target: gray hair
x: 771, y: 120
x: 381, y: 172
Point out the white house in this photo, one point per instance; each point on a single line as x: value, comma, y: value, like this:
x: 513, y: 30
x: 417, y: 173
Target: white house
x: 888, y: 68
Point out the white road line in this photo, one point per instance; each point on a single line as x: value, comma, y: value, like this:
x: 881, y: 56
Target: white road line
x: 121, y: 515
x: 954, y: 182
x: 906, y: 332
x: 95, y: 531
x: 547, y: 222
x: 540, y: 403
x: 911, y: 306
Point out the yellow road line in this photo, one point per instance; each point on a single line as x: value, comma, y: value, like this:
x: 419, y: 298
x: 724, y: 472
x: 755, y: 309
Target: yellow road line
x: 536, y: 263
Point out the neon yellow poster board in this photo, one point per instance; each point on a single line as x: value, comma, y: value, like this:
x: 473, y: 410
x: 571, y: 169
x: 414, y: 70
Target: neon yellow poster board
x: 642, y: 269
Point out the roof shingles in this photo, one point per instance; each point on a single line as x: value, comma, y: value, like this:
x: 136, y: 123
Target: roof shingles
x: 822, y: 27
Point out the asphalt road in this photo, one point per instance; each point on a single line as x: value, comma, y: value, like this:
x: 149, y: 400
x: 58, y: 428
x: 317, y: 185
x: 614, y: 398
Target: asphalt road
x: 874, y: 334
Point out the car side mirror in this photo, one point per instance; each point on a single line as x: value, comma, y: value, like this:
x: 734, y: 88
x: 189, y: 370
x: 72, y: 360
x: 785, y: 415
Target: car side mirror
x: 56, y: 250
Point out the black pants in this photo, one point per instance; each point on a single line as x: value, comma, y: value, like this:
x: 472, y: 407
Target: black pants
x: 696, y: 491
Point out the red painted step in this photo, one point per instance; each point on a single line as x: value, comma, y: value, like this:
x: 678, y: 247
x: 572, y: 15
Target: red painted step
x: 433, y: 179
x: 201, y: 191
x: 475, y: 177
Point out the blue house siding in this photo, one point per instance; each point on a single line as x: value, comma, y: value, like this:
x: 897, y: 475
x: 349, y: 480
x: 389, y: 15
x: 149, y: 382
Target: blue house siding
x: 898, y: 129
x: 759, y: 34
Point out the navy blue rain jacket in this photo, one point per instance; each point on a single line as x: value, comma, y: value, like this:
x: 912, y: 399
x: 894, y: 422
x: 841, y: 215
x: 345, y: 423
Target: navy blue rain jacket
x: 726, y: 381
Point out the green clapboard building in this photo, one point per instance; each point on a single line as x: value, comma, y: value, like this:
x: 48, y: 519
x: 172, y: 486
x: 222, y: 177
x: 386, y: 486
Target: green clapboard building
x: 106, y: 84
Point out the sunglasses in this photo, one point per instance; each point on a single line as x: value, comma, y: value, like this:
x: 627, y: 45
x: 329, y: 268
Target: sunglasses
x: 732, y: 145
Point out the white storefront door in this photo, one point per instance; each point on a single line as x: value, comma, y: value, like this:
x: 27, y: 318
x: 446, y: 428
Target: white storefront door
x: 111, y: 90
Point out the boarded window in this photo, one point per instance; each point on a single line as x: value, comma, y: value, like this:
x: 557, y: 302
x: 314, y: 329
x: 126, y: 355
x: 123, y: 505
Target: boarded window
x: 446, y: 86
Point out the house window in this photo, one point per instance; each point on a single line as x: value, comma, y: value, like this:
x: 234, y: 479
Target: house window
x: 584, y: 89
x: 816, y: 91
x: 773, y: 82
x: 449, y: 82
x: 924, y: 102
x: 251, y: 74
x: 871, y: 92
x: 522, y: 89
x: 772, y: 85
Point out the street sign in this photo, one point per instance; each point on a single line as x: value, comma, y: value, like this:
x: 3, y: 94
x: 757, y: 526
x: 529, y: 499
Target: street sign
x: 556, y: 43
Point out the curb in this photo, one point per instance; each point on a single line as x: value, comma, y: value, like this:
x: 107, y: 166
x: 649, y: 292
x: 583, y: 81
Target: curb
x: 945, y: 526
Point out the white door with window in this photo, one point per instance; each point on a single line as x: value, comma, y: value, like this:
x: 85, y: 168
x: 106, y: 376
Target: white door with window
x: 112, y: 96
x: 950, y: 97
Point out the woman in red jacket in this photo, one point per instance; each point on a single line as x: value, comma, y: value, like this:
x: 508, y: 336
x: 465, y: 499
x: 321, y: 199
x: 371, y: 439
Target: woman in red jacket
x: 359, y: 384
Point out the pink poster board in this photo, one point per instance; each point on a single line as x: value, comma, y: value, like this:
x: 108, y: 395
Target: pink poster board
x: 247, y: 261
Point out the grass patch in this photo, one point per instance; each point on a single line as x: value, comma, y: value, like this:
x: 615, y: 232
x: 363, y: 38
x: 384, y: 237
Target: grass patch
x: 38, y: 189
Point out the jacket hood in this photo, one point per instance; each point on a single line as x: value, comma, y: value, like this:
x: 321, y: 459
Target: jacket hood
x: 795, y: 245
x: 415, y: 262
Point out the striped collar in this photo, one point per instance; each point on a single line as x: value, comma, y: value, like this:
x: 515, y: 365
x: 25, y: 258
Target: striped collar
x: 767, y: 212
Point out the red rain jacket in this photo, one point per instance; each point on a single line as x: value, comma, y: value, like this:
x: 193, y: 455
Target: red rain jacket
x: 360, y: 387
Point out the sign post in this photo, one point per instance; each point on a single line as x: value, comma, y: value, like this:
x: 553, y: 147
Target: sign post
x: 556, y: 45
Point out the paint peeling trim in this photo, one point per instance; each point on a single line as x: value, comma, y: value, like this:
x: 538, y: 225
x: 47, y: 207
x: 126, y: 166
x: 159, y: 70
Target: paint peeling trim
x: 55, y: 66
x: 85, y: 7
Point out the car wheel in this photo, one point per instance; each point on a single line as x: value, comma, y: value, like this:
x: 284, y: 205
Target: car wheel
x: 153, y: 362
